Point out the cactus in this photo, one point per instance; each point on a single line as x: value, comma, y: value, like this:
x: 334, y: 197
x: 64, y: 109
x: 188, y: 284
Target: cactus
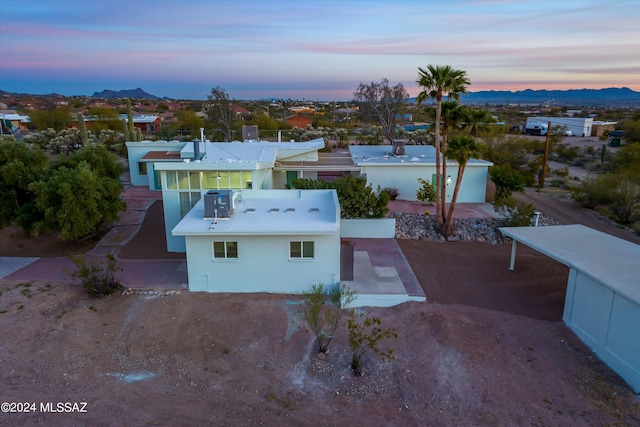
x: 125, y: 129
x: 603, y: 154
x: 132, y: 131
x: 83, y: 130
x: 138, y: 136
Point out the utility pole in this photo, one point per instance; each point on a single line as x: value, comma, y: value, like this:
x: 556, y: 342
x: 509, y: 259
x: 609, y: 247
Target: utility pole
x: 546, y: 155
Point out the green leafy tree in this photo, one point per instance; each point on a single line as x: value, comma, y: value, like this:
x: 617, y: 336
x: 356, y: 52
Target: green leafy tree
x: 20, y: 165
x: 57, y: 118
x: 103, y: 118
x: 76, y: 201
x: 190, y: 122
x: 380, y: 102
x: 357, y: 199
x: 439, y: 81
x: 101, y: 161
x: 220, y: 112
x: 323, y: 309
x: 506, y: 180
x: 461, y: 149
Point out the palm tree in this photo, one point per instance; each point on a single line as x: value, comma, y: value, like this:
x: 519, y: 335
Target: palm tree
x: 437, y: 82
x: 476, y: 119
x: 451, y: 116
x: 460, y: 149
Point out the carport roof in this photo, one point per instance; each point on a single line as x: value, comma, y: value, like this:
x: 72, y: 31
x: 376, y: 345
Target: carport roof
x: 612, y: 261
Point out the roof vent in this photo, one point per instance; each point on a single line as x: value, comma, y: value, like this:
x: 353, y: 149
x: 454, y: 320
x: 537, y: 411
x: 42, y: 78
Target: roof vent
x: 290, y: 210
x: 314, y: 210
x: 250, y: 210
x: 274, y: 210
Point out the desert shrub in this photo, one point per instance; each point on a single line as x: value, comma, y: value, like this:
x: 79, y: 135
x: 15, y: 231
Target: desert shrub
x: 427, y: 191
x: 614, y: 194
x: 393, y: 192
x: 365, y: 334
x: 559, y: 183
x: 514, y: 213
x: 98, y: 279
x: 566, y: 152
x: 323, y: 309
x: 506, y: 180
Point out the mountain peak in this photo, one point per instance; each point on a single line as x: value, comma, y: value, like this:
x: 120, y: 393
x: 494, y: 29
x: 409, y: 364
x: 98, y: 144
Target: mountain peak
x: 137, y: 93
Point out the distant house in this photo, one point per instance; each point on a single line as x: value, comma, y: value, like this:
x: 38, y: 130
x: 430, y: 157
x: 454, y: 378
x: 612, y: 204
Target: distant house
x: 298, y: 120
x: 12, y: 122
x: 401, y: 170
x: 602, y: 128
x: 262, y: 240
x: 146, y: 123
x: 238, y: 110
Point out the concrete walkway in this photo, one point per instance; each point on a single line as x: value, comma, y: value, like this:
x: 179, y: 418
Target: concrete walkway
x: 158, y: 274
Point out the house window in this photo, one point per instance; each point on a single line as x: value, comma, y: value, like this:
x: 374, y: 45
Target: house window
x: 187, y: 201
x: 301, y: 250
x: 142, y: 168
x: 225, y: 250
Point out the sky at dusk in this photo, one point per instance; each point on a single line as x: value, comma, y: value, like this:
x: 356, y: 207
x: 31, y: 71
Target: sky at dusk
x: 318, y: 50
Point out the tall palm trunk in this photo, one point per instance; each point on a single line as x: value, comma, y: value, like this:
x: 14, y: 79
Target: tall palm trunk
x: 439, y: 201
x: 449, y: 220
x: 443, y: 190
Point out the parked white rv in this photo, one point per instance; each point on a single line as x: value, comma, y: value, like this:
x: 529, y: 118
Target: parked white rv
x: 536, y: 128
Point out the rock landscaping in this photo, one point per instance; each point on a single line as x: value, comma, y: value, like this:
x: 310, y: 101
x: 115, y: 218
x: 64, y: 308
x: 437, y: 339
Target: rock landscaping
x: 484, y: 230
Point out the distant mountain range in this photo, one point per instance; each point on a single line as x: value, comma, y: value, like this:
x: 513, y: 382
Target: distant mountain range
x: 137, y: 93
x: 610, y: 97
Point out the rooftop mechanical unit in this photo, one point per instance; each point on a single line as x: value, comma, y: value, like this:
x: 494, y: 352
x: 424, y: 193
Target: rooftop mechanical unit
x: 219, y: 204
x: 250, y: 133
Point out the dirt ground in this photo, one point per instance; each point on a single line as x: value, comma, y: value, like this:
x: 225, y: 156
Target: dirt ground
x: 488, y: 348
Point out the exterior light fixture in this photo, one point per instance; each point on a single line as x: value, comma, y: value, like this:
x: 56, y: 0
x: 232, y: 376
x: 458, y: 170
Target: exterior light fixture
x: 449, y: 180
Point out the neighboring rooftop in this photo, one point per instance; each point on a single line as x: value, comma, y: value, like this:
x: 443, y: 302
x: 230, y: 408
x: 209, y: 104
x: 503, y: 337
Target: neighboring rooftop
x: 383, y: 154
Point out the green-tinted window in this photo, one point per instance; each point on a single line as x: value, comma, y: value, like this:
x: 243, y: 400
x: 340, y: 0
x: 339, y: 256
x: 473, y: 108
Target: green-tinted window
x: 301, y: 250
x: 172, y: 183
x: 225, y: 250
x: 183, y: 180
x: 307, y: 249
x: 194, y: 178
x: 142, y: 168
x: 295, y: 249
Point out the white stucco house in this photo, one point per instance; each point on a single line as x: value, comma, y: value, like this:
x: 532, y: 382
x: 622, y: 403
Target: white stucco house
x: 262, y: 240
x: 385, y: 169
x: 186, y: 171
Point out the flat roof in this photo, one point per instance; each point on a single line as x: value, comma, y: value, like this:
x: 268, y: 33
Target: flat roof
x: 161, y: 155
x: 337, y: 161
x: 250, y: 151
x: 612, y: 261
x: 413, y: 154
x: 268, y: 212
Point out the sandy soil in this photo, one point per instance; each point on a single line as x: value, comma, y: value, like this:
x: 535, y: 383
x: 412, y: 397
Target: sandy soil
x: 489, y: 348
